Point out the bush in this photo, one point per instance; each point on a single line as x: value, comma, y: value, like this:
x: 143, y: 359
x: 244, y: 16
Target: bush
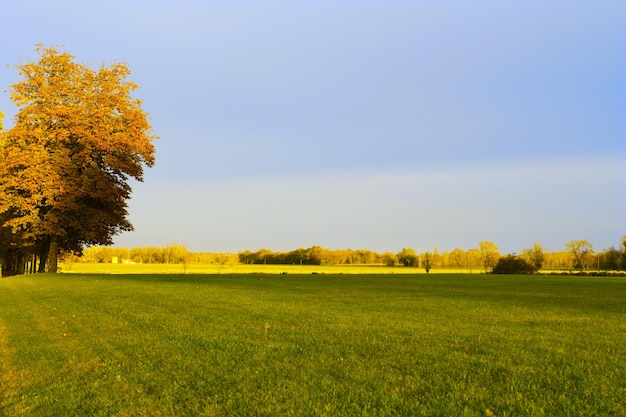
x: 511, y: 264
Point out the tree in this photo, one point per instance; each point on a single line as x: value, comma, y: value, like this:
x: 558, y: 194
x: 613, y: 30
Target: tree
x: 557, y: 260
x: 1, y: 118
x: 315, y: 255
x: 610, y: 259
x: 79, y: 137
x: 437, y: 258
x: 511, y: 264
x: 407, y: 257
x: 535, y: 255
x: 489, y: 254
x: 389, y: 259
x: 458, y: 258
x: 428, y: 261
x: 580, y: 250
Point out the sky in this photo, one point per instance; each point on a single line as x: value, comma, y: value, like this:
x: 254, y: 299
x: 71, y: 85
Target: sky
x: 375, y: 125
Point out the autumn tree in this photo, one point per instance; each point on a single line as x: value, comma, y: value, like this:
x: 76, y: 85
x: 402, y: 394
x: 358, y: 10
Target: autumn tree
x: 79, y: 136
x: 407, y: 257
x: 389, y: 258
x: 557, y: 260
x: 489, y: 254
x: 428, y: 261
x: 437, y: 260
x: 610, y: 259
x: 580, y: 251
x: 535, y: 255
x: 4, y: 232
x: 458, y: 258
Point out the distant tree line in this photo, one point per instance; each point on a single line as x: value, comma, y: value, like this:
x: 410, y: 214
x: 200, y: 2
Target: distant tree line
x: 577, y: 255
x: 315, y: 255
x: 169, y: 254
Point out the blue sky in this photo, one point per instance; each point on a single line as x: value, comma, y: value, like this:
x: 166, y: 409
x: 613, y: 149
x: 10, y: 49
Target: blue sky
x: 369, y: 124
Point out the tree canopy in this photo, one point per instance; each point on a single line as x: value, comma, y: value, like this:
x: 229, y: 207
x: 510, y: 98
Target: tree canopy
x: 489, y: 253
x: 511, y: 264
x: 79, y: 136
x: 407, y: 257
x: 580, y: 250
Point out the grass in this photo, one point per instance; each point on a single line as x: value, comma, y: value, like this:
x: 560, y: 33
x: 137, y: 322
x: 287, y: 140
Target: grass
x: 313, y: 345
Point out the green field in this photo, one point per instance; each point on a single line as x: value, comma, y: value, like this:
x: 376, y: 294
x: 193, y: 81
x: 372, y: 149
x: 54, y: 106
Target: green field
x: 313, y: 345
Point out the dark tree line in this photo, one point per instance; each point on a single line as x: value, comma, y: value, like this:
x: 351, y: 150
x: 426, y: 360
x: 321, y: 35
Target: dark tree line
x: 315, y: 255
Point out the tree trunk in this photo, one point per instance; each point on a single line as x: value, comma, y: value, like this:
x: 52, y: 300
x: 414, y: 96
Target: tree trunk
x: 21, y: 266
x: 43, y: 257
x: 53, y: 256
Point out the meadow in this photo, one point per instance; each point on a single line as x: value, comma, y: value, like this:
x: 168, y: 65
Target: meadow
x: 312, y: 345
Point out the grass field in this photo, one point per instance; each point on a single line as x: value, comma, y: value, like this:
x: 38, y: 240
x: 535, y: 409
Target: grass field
x: 313, y: 345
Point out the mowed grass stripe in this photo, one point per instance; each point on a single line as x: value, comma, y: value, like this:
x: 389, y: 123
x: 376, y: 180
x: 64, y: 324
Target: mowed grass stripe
x: 176, y: 345
x: 10, y: 377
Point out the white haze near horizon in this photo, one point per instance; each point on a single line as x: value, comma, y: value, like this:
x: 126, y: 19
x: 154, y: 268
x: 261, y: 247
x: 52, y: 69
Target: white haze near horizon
x: 512, y: 204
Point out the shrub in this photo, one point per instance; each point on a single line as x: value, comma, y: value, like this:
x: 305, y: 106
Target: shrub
x: 511, y: 264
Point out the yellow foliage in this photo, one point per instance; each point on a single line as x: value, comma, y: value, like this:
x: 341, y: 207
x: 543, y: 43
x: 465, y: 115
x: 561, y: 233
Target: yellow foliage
x: 79, y: 135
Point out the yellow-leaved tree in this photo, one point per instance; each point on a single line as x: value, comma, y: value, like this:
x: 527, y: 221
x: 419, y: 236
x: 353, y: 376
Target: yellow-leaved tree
x: 489, y: 254
x: 79, y: 136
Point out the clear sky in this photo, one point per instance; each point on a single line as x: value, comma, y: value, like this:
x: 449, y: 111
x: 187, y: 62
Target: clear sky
x: 361, y: 124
